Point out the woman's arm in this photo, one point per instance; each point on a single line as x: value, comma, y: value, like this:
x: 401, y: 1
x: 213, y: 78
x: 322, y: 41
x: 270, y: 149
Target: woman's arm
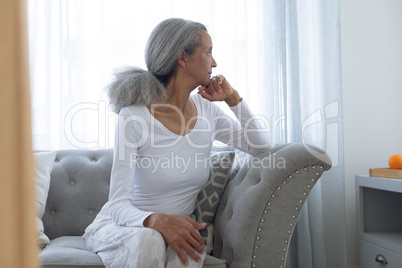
x: 246, y: 134
x: 128, y: 136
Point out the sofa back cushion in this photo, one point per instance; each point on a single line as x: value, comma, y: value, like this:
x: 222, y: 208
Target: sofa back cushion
x: 79, y: 187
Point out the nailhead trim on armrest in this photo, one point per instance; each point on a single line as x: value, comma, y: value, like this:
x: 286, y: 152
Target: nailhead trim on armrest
x: 293, y: 219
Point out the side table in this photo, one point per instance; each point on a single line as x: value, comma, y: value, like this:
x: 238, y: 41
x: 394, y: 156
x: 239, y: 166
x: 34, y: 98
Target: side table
x: 379, y: 222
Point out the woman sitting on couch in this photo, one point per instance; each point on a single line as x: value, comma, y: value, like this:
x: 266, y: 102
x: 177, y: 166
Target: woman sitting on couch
x: 147, y: 220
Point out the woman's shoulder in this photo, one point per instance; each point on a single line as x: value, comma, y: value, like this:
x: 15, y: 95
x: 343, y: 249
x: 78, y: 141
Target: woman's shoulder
x: 201, y: 102
x: 132, y: 110
x: 135, y: 115
x: 196, y: 98
x: 205, y: 106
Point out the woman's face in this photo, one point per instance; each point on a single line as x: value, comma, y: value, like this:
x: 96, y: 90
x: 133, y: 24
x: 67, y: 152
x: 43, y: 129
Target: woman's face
x: 200, y: 63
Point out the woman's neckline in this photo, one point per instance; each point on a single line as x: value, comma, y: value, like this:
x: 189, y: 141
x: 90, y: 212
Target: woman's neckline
x: 154, y: 119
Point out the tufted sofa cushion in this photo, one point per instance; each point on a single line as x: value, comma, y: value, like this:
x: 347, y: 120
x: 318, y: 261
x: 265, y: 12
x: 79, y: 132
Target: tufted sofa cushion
x: 82, y: 177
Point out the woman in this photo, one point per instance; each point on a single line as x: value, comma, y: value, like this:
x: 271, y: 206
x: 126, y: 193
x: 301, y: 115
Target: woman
x: 163, y: 140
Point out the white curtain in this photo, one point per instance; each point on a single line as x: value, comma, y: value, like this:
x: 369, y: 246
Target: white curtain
x: 302, y: 78
x: 283, y: 56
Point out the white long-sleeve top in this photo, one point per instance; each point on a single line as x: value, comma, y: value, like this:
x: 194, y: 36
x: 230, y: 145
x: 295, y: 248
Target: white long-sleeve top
x: 157, y: 171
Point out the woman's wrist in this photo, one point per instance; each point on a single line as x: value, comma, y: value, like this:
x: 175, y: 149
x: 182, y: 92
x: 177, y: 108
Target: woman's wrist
x: 150, y: 221
x: 234, y: 99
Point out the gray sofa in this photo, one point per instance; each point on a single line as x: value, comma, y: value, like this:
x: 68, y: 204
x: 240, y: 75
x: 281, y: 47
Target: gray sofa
x: 253, y: 224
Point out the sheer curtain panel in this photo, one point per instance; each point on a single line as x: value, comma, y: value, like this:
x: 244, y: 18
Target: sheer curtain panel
x: 302, y: 78
x: 283, y: 56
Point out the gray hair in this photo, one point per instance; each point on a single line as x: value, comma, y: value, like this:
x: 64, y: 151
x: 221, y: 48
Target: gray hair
x: 135, y: 86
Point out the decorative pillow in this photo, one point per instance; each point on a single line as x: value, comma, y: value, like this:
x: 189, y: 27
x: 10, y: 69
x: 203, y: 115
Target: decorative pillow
x: 210, y: 195
x: 43, y: 166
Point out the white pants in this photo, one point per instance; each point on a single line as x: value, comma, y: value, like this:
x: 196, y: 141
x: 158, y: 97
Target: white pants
x: 134, y: 247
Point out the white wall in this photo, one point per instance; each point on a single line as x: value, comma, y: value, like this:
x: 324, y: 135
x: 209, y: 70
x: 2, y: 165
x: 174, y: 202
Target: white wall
x: 371, y: 39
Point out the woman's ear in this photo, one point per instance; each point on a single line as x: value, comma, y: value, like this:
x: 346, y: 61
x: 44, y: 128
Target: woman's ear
x: 182, y: 59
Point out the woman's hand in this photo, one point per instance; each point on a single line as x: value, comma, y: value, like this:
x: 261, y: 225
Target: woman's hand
x: 220, y: 90
x: 180, y: 232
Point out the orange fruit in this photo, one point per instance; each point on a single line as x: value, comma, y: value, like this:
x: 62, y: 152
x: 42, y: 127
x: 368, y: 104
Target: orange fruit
x: 395, y: 161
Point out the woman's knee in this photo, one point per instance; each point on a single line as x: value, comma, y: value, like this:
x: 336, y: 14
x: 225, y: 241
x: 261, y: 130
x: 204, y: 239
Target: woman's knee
x: 151, y: 237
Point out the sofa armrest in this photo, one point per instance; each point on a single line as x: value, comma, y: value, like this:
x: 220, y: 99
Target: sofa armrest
x: 260, y: 205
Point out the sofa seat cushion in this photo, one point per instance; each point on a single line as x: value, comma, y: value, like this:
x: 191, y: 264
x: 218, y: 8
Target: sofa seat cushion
x: 70, y: 251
